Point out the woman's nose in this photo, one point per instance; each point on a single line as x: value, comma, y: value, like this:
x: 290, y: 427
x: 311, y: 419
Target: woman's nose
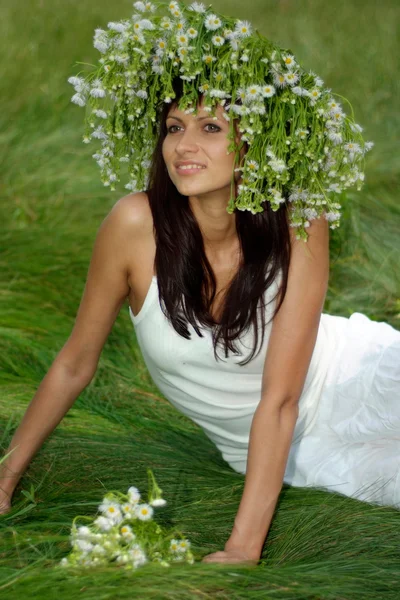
x: 187, y: 139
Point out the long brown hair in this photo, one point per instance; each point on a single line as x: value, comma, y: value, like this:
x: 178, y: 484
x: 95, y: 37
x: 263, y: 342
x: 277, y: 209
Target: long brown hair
x: 183, y: 270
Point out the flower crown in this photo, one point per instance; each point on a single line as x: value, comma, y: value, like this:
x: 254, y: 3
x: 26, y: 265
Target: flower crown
x: 302, y: 147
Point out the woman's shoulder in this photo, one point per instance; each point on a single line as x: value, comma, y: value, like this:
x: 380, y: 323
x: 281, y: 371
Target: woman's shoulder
x: 133, y: 213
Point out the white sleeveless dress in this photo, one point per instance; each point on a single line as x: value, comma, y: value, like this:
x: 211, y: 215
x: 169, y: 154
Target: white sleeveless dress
x: 347, y: 435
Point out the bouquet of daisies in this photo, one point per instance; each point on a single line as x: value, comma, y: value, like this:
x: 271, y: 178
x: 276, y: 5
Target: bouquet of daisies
x: 125, y: 533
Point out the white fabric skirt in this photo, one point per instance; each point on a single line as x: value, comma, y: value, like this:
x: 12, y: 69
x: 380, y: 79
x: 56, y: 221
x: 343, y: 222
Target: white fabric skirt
x: 353, y: 447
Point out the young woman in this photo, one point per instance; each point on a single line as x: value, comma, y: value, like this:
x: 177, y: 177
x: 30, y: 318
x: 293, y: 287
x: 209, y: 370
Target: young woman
x: 298, y: 396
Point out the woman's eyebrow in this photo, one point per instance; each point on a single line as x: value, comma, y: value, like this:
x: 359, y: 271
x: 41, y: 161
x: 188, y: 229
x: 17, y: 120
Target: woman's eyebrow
x: 198, y: 118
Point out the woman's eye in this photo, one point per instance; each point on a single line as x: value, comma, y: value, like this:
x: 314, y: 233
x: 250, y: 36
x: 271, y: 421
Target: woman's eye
x: 208, y: 125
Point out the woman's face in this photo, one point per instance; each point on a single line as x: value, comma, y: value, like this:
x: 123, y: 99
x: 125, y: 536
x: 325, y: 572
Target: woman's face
x: 199, y: 139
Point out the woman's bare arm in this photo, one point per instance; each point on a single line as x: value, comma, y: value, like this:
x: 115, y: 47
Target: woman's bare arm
x: 73, y: 368
x: 288, y: 358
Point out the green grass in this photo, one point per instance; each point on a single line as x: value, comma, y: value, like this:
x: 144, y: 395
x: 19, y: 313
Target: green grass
x: 320, y: 545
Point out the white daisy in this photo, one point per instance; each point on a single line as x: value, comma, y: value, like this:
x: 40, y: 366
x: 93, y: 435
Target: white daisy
x: 100, y: 113
x: 180, y: 25
x: 139, y: 6
x: 197, y: 7
x: 173, y: 6
x: 78, y: 99
x: 277, y: 195
x: 100, y: 44
x: 99, y: 133
x: 192, y: 32
x: 183, y: 545
x: 291, y: 78
x: 241, y: 94
x: 268, y: 91
x: 258, y: 109
x: 354, y: 127
x: 144, y: 512
x: 353, y: 148
x: 217, y: 40
x: 146, y: 24
x: 277, y: 165
x: 208, y: 58
x: 243, y: 29
x: 142, y: 94
x: 314, y: 94
x: 299, y: 91
x: 98, y: 92
x: 166, y: 23
x: 120, y: 27
x: 279, y: 79
x: 112, y: 511
x: 182, y: 39
x: 173, y: 545
x: 253, y: 92
x: 252, y: 165
x: 134, y: 494
x: 289, y: 61
x: 76, y: 81
x: 234, y: 44
x: 302, y: 133
x: 84, y: 532
x: 83, y: 545
x: 161, y: 44
x: 332, y: 216
x: 158, y: 502
x: 212, y: 22
x: 218, y: 94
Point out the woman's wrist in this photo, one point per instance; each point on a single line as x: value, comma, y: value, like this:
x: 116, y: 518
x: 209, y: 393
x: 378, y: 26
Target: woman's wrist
x: 236, y: 542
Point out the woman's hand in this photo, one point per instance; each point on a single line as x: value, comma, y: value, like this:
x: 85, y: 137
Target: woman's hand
x: 5, y: 502
x: 230, y: 557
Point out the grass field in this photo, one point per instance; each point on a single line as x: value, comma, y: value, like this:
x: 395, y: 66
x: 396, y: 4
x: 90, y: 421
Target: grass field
x: 320, y: 545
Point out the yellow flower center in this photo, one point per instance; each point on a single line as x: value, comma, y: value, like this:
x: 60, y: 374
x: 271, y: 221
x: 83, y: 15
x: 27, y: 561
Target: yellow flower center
x: 111, y: 509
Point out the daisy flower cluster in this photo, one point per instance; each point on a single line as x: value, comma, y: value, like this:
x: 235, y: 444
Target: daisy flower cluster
x: 125, y: 534
x: 304, y: 149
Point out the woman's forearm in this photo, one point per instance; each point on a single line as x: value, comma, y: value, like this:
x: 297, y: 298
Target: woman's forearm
x: 54, y: 397
x: 269, y: 444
